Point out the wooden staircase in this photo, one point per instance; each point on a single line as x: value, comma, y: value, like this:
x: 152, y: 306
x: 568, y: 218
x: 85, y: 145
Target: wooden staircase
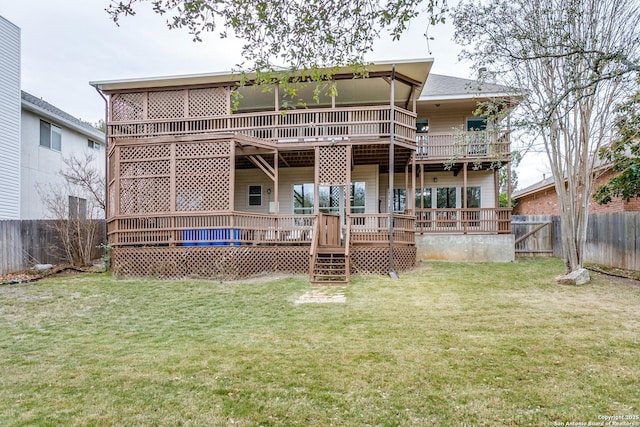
x: 330, y: 265
x: 329, y: 260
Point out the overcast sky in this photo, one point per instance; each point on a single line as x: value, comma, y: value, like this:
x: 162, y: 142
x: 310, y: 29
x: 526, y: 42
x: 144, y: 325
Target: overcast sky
x: 67, y: 43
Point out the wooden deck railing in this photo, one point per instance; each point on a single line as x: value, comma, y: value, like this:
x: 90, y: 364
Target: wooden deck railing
x: 237, y: 228
x: 374, y: 228
x: 463, y: 221
x: 474, y: 145
x: 211, y: 230
x: 282, y: 127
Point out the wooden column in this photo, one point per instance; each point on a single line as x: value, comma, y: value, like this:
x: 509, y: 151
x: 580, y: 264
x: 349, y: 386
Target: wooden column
x: 464, y: 197
x: 464, y: 185
x: 232, y: 175
x: 422, y: 187
x: 508, y: 185
x: 407, y: 204
x: 496, y: 186
x: 392, y: 130
x: 276, y: 183
x: 316, y: 181
x: 413, y: 183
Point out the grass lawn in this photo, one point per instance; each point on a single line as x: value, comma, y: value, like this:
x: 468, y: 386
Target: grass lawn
x: 450, y: 344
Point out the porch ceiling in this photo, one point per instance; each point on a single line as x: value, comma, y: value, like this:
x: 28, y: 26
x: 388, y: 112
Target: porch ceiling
x: 456, y: 168
x: 362, y: 155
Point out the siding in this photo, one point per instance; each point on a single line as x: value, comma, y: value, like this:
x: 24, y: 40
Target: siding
x: 9, y: 120
x: 288, y: 177
x: 40, y: 166
x: 482, y: 179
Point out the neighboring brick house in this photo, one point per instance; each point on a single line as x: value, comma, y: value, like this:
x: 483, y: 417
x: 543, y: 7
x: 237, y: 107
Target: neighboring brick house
x: 541, y: 199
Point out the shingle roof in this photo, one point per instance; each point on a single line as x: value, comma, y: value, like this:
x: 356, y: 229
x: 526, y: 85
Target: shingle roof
x: 55, y: 111
x: 533, y: 187
x: 446, y: 86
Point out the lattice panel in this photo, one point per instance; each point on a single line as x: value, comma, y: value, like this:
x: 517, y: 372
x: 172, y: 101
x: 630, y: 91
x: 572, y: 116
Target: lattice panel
x: 213, y: 101
x: 233, y: 262
x: 166, y: 104
x: 202, y: 193
x: 144, y: 195
x: 203, y: 184
x: 203, y: 149
x: 158, y: 167
x: 375, y: 259
x: 333, y: 166
x: 293, y: 260
x: 145, y: 152
x: 216, y: 165
x: 127, y: 106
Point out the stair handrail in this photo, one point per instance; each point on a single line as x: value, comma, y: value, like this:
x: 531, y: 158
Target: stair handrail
x: 313, y: 248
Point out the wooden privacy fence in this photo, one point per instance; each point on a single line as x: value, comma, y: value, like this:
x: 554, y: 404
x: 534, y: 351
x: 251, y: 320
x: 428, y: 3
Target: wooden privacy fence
x: 613, y: 239
x: 533, y: 234
x: 24, y: 243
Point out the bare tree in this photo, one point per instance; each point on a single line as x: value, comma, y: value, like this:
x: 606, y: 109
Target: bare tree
x: 76, y: 207
x: 574, y: 60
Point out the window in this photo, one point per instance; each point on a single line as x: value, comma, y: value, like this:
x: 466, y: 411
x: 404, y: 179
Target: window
x: 422, y: 125
x: 476, y: 123
x: 93, y: 145
x: 399, y: 200
x: 425, y: 197
x: 473, y: 201
x: 446, y: 197
x: 302, y: 199
x: 329, y: 199
x: 473, y: 197
x: 50, y: 136
x: 358, y: 195
x: 255, y: 195
x: 77, y: 208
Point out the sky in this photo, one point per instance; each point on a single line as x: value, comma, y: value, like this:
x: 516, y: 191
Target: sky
x: 68, y: 43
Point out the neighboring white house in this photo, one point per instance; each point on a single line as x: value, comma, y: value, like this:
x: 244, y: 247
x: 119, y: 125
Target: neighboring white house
x: 48, y: 136
x: 9, y: 120
x: 35, y: 138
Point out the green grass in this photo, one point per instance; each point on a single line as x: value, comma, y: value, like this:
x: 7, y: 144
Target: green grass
x: 450, y: 344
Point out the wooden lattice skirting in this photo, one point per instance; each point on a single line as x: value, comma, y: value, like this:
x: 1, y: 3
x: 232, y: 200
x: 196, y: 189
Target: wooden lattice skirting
x: 226, y: 262
x: 236, y: 262
x: 375, y: 259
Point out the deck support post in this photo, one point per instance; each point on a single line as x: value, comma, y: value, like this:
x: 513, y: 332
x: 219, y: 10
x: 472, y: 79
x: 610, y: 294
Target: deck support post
x: 390, y: 204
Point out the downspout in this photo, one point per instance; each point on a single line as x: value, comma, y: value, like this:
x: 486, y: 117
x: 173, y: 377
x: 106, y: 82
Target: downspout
x: 392, y: 125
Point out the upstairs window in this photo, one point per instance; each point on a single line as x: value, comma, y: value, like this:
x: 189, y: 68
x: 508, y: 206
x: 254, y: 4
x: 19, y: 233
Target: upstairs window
x: 77, y: 208
x: 476, y: 123
x: 50, y: 136
x: 93, y: 145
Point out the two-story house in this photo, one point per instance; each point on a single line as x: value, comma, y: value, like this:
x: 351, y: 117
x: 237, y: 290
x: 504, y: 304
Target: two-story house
x: 342, y: 186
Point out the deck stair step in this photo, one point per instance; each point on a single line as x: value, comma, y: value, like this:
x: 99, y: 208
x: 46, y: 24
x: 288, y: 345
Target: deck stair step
x: 330, y: 266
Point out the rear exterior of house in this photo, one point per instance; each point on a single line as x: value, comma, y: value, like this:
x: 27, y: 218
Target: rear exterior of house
x: 196, y: 189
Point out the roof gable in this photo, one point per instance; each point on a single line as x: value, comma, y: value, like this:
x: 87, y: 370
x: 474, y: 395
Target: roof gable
x: 448, y: 87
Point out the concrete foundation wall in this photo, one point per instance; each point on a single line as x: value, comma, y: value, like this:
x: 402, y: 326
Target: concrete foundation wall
x: 469, y: 247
